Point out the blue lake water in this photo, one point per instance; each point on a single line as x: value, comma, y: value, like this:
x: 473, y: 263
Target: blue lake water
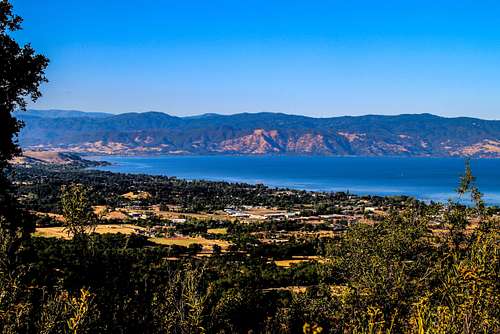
x: 424, y: 178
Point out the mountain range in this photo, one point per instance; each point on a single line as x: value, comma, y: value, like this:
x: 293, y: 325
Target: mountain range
x: 259, y: 133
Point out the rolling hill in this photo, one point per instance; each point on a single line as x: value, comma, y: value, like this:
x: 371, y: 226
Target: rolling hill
x: 259, y: 133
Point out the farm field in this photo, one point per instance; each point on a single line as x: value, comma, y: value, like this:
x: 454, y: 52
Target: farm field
x: 186, y: 241
x: 128, y: 229
x: 60, y: 232
x: 297, y: 259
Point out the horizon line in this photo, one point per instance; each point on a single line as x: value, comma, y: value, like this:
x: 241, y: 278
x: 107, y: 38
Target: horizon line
x: 251, y: 113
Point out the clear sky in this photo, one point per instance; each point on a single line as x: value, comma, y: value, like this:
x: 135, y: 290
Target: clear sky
x: 317, y: 58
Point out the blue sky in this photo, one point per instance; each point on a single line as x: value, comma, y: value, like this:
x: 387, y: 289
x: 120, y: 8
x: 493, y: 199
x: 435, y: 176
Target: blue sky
x: 317, y: 58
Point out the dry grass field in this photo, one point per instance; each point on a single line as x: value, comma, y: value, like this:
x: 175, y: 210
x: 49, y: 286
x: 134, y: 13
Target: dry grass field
x: 219, y: 215
x: 297, y: 259
x: 221, y: 231
x: 186, y: 241
x: 59, y: 232
x: 137, y: 195
x: 263, y: 211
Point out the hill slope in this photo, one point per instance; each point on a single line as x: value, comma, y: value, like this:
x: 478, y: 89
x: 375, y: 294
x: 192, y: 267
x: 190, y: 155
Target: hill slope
x: 261, y: 133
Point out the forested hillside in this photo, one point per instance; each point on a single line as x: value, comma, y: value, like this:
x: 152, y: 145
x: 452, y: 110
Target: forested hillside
x: 261, y: 133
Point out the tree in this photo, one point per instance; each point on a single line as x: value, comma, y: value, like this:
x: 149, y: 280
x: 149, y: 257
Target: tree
x: 468, y: 184
x: 457, y: 216
x: 180, y: 306
x: 78, y: 213
x: 21, y: 73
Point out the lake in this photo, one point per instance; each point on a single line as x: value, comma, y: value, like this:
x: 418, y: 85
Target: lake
x: 424, y: 178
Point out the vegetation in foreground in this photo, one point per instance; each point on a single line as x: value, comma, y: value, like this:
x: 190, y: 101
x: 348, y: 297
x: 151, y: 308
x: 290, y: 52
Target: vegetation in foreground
x: 401, y: 274
x: 393, y: 276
